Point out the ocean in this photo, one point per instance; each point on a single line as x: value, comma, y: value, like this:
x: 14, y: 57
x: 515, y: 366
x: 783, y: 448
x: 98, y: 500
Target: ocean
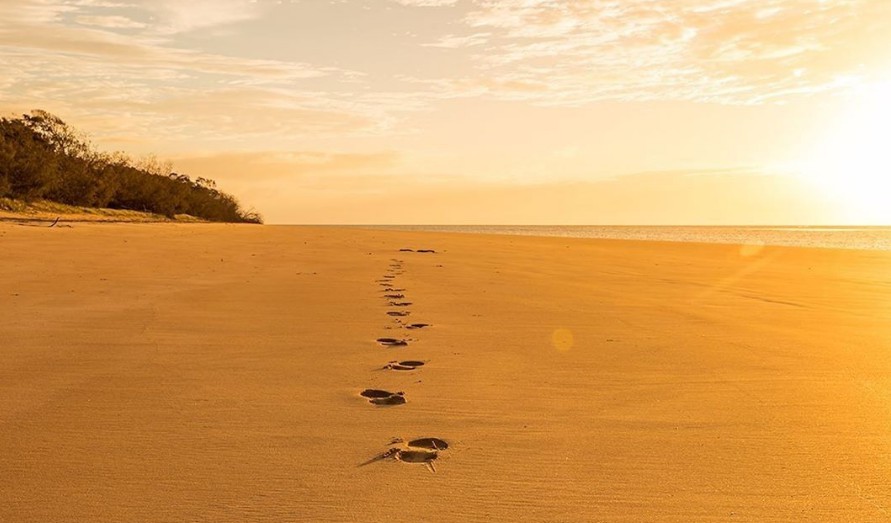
x: 840, y: 237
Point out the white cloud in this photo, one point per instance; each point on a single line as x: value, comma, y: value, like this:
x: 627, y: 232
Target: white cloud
x: 178, y: 16
x: 72, y: 53
x: 109, y: 22
x: 730, y: 51
x: 426, y: 3
x: 71, y: 58
x: 455, y: 41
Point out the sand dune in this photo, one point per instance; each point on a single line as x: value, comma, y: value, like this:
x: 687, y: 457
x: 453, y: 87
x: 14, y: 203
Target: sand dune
x: 171, y: 372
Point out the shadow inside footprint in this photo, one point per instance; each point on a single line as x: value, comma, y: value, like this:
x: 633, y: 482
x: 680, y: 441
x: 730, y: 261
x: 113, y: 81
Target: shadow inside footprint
x: 399, y: 303
x: 375, y: 393
x: 398, y: 313
x: 429, y: 443
x: 417, y: 325
x: 394, y: 296
x: 392, y: 342
x: 383, y: 397
x: 404, y: 365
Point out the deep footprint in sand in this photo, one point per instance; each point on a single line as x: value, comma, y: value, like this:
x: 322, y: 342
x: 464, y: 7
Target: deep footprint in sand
x: 404, y: 365
x: 398, y: 313
x: 417, y: 326
x: 424, y: 457
x: 399, y: 303
x: 383, y: 397
x: 392, y: 342
x: 419, y: 250
x: 422, y: 451
x: 394, y: 296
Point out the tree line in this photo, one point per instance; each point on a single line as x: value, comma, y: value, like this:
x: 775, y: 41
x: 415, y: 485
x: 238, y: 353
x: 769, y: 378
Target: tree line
x: 42, y: 157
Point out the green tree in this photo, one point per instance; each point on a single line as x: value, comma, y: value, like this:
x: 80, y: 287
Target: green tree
x: 27, y: 162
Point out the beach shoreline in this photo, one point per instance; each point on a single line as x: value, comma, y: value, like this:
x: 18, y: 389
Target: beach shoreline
x: 43, y: 211
x: 170, y: 372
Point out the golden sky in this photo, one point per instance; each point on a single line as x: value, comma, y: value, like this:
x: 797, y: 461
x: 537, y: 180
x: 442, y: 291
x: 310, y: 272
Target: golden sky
x: 481, y: 111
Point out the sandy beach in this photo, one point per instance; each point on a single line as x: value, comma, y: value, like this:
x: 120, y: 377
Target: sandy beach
x: 195, y: 372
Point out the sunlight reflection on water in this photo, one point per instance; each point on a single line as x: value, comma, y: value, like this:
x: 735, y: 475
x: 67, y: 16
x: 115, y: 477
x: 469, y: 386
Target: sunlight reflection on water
x: 868, y: 238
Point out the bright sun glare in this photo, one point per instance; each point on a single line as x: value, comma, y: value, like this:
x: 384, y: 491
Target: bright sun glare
x: 853, y: 164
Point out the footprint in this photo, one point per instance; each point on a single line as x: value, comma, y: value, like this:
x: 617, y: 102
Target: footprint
x: 394, y: 296
x: 417, y: 325
x: 419, y: 250
x: 376, y: 393
x: 404, y: 365
x: 392, y: 342
x: 398, y: 313
x: 390, y: 289
x: 383, y: 397
x: 399, y: 303
x: 425, y: 457
x: 422, y: 451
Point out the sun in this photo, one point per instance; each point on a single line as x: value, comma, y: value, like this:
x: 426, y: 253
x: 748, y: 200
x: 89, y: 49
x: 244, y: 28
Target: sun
x: 852, y: 164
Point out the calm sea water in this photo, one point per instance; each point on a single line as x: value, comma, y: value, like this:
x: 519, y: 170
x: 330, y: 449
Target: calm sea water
x: 869, y: 238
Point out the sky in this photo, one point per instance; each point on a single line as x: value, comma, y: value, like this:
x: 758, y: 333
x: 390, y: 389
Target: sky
x: 481, y: 111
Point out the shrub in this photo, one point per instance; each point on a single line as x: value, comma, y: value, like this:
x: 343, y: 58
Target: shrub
x: 42, y: 157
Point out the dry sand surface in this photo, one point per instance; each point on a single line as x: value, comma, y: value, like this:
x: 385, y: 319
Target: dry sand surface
x: 176, y: 372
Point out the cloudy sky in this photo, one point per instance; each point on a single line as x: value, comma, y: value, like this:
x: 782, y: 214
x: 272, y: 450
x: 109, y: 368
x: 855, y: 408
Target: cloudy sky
x: 481, y: 111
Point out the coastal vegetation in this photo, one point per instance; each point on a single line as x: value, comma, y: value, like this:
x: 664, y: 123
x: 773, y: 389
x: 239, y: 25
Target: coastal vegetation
x: 43, y: 158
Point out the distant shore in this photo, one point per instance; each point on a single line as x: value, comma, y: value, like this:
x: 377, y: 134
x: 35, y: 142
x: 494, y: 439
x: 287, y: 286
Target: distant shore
x: 236, y: 373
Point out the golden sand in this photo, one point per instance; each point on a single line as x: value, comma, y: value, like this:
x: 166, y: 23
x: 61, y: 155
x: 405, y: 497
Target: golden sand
x: 213, y: 373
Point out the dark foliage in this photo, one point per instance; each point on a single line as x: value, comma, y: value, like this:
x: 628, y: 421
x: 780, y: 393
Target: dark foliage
x: 42, y: 157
